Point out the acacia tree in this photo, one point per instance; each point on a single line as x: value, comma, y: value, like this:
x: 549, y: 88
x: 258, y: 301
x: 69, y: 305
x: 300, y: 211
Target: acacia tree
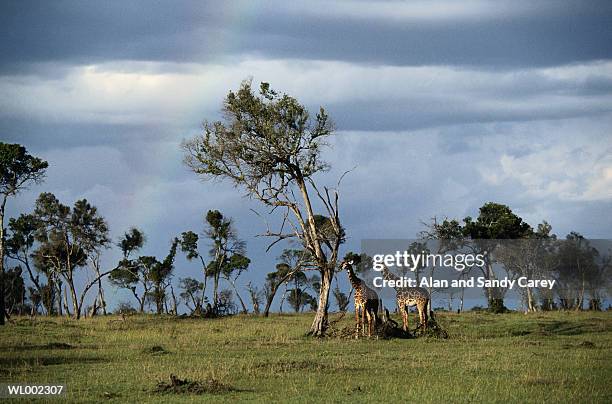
x: 69, y: 239
x: 225, y: 244
x: 580, y: 267
x: 14, y: 291
x: 231, y: 270
x: 161, y: 275
x: 450, y: 237
x: 494, y: 222
x: 342, y: 299
x: 299, y: 299
x: 145, y: 272
x: 192, y: 294
x: 189, y: 245
x: 19, y: 245
x: 256, y: 296
x: 531, y: 258
x: 132, y: 272
x: 291, y: 262
x: 270, y: 146
x: 227, y: 251
x: 18, y: 169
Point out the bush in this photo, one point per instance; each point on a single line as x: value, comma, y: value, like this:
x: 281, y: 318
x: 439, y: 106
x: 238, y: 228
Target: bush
x: 497, y: 306
x: 125, y: 308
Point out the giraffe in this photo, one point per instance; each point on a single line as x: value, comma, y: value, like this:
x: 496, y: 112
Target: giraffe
x: 366, y: 301
x: 407, y: 297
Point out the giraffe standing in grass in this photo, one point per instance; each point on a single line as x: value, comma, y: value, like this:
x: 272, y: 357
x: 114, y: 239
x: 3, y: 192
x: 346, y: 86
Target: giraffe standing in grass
x: 407, y: 297
x: 366, y: 301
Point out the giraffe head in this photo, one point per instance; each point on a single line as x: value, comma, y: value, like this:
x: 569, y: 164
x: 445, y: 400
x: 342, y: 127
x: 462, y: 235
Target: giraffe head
x: 350, y: 259
x: 345, y: 264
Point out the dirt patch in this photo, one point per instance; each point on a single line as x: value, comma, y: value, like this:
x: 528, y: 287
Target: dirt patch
x: 433, y: 330
x: 109, y: 395
x: 586, y: 344
x: 387, y: 328
x: 29, y: 347
x: 538, y: 381
x: 292, y: 366
x: 155, y: 350
x: 180, y: 386
x: 58, y: 345
x: 583, y: 344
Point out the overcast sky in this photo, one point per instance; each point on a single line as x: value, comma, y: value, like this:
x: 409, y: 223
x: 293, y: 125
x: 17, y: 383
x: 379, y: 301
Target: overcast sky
x: 440, y: 106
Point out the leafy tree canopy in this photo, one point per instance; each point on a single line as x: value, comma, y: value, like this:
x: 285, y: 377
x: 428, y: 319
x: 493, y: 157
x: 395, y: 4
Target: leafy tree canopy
x: 17, y: 168
x: 496, y: 221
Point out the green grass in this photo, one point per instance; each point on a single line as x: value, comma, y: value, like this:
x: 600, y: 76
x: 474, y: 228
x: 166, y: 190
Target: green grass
x: 548, y: 357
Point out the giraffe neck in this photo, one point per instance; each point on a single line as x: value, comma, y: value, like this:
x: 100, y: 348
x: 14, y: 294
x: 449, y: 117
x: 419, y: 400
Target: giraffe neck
x: 388, y: 275
x: 355, y: 281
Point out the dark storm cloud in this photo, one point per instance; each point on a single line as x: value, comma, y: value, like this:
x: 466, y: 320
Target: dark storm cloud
x: 49, y: 134
x: 92, y: 32
x: 419, y: 114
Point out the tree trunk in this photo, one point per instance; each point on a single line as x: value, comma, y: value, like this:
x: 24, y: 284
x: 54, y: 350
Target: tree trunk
x: 174, y: 305
x: 205, y: 279
x: 283, y: 299
x: 580, y: 299
x: 530, y: 303
x: 2, y: 308
x: 101, y: 292
x: 75, y: 303
x: 320, y: 323
x: 494, y: 296
x: 256, y: 309
x: 298, y: 296
x: 59, y: 296
x: 268, y: 304
x: 244, y: 308
x: 269, y: 300
x: 159, y: 301
x: 93, y: 310
x: 216, y: 293
x: 66, y: 306
x: 141, y: 302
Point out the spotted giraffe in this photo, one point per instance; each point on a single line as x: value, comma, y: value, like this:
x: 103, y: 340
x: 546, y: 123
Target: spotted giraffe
x: 407, y: 297
x: 366, y: 301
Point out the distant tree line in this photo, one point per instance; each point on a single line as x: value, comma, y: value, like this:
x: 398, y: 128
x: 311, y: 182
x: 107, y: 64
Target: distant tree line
x: 582, y: 273
x: 55, y: 245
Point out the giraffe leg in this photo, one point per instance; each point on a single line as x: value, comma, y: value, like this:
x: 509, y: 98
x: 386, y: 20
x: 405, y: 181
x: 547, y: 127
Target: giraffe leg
x: 400, y: 307
x: 408, y: 318
x: 422, y: 307
x: 357, y: 317
x: 363, y: 321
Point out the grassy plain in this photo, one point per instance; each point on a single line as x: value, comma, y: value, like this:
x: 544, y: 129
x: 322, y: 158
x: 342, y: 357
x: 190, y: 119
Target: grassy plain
x: 545, y: 357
